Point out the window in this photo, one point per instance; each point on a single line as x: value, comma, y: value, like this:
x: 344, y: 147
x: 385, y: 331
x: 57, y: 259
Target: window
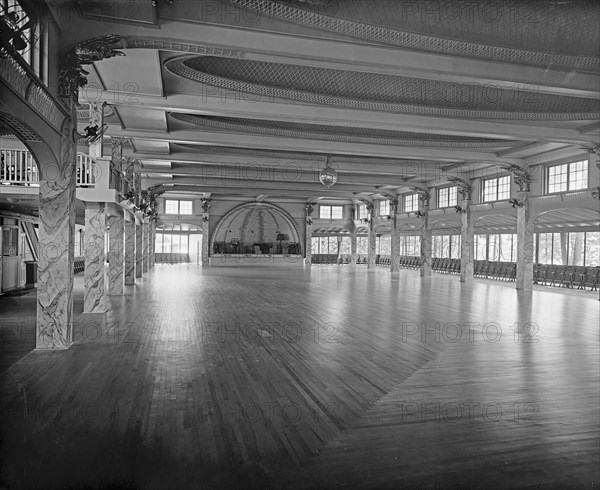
x: 325, y: 244
x: 574, y: 248
x: 411, y: 203
x: 361, y: 211
x: 362, y: 245
x: 568, y: 177
x: 171, y: 243
x: 410, y: 245
x: 496, y: 247
x: 384, y: 207
x: 331, y: 212
x: 10, y: 240
x: 447, y: 197
x: 178, y: 207
x: 496, y: 189
x: 446, y: 246
x: 384, y: 245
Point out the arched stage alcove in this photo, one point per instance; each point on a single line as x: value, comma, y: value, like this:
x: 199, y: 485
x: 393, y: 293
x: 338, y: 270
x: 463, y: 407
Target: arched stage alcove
x: 257, y: 226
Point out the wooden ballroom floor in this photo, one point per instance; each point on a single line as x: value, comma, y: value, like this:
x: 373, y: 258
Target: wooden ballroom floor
x: 265, y: 377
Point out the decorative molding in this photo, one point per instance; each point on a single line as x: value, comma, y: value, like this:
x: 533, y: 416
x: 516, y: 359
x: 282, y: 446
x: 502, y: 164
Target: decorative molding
x: 180, y: 66
x: 18, y: 79
x: 342, y: 134
x: 411, y: 40
x: 183, y: 46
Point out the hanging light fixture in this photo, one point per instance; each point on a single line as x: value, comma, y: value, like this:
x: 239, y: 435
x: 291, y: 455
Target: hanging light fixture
x: 328, y: 175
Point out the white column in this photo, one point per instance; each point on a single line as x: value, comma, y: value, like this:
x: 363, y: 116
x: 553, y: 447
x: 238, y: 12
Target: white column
x: 94, y: 300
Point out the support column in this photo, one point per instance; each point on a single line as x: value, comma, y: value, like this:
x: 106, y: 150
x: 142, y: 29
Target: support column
x: 353, y: 246
x: 467, y: 238
x: 339, y: 248
x: 205, y: 239
x: 308, y: 243
x: 371, y: 250
x: 54, y: 326
x: 152, y: 238
x: 130, y: 252
x: 426, y: 240
x: 139, y: 252
x: 395, y: 246
x: 116, y: 270
x: 94, y: 299
x: 525, y: 246
x: 146, y: 245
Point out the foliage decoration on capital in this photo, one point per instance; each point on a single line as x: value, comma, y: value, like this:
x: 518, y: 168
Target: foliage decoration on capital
x: 522, y: 176
x: 72, y: 76
x: 464, y: 187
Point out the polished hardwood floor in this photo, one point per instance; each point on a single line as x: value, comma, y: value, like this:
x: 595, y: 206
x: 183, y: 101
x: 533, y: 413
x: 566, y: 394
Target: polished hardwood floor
x: 267, y: 377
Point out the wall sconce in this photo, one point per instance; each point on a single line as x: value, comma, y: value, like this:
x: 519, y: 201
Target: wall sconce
x: 421, y: 214
x: 460, y: 210
x: 205, y: 219
x: 309, y: 221
x: 365, y: 220
x: 388, y: 217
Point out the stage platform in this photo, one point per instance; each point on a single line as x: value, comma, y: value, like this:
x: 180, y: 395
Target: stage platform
x: 257, y: 259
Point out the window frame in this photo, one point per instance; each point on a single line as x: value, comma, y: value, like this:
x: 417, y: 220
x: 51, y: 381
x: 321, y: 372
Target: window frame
x: 437, y: 195
x: 568, y: 173
x: 179, y: 213
x: 330, y: 206
x: 413, y: 197
x: 497, y: 196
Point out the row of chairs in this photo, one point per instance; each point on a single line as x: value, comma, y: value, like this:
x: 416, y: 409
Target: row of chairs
x: 445, y: 265
x: 171, y: 258
x: 331, y: 259
x: 504, y: 271
x: 383, y: 260
x: 79, y: 264
x: 568, y: 276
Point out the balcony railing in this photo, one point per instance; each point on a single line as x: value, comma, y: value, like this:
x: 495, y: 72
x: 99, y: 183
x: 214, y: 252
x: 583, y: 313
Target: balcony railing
x: 18, y: 167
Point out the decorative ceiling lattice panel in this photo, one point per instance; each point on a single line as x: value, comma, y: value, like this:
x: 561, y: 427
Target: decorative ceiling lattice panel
x: 559, y: 33
x: 410, y: 166
x: 340, y: 133
x: 378, y: 92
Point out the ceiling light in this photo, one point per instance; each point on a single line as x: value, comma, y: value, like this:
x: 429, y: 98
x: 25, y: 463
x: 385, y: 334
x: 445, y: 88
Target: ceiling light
x: 328, y: 175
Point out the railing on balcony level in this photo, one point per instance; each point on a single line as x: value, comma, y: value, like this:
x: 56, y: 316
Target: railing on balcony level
x: 85, y: 170
x: 18, y: 167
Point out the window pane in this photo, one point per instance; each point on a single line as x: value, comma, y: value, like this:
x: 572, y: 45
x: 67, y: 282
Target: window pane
x: 345, y: 245
x: 158, y: 243
x: 337, y: 212
x: 183, y: 247
x: 443, y: 197
x: 384, y: 208
x: 185, y: 207
x: 314, y: 242
x: 490, y: 188
x: 506, y: 248
x: 578, y: 175
x: 455, y: 247
x: 504, y: 187
x: 171, y: 207
x: 592, y: 249
x: 576, y: 242
x: 545, y: 248
x: 557, y: 178
x: 480, y: 247
x: 362, y: 245
x: 560, y: 244
x: 324, y: 212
